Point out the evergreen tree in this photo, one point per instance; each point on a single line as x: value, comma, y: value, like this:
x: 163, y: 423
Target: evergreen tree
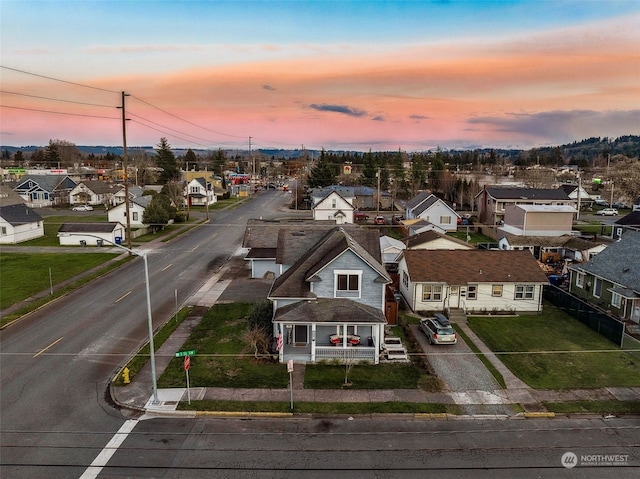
x: 324, y: 173
x: 190, y: 158
x: 166, y: 160
x: 418, y: 174
x: 369, y: 170
x: 52, y: 155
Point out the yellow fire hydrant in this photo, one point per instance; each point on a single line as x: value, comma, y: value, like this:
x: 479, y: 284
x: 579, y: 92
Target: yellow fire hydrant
x: 125, y: 376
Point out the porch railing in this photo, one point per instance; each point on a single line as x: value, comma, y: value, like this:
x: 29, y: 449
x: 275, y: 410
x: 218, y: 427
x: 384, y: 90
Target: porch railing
x: 359, y: 353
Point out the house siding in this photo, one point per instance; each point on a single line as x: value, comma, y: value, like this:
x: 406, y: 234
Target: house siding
x: 370, y: 293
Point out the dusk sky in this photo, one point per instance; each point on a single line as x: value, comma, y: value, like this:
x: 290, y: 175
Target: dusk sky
x: 337, y: 75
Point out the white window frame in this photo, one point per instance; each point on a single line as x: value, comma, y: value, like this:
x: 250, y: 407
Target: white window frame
x: 525, y: 292
x: 433, y: 291
x: 347, y: 272
x: 405, y: 279
x: 579, y: 280
x: 445, y: 220
x: 497, y: 290
x: 616, y: 300
x: 472, y: 291
x: 597, y: 287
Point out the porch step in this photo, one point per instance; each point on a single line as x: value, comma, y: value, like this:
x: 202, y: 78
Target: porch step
x: 457, y: 316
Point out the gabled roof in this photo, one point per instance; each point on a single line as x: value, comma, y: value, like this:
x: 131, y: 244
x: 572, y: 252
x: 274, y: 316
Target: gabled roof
x: 100, y: 187
x: 431, y: 235
x: 9, y: 197
x: 344, y: 191
x: 19, y: 214
x: 516, y: 193
x: 48, y: 183
x: 618, y: 262
x: 632, y: 220
x: 329, y: 194
x: 459, y: 267
x: 261, y: 233
x: 88, y: 227
x: 329, y: 310
x: 295, y: 282
x: 416, y: 200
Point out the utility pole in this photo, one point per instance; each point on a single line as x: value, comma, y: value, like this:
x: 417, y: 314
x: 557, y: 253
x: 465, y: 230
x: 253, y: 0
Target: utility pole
x: 125, y: 167
x: 253, y: 165
x: 378, y: 196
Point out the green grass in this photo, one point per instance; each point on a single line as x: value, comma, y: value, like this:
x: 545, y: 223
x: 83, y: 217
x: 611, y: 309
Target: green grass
x: 369, y: 376
x: 475, y: 237
x: 321, y: 407
x: 24, y: 275
x: 554, y: 351
x: 490, y: 367
x: 594, y: 407
x: 223, y: 359
x: 52, y: 225
x: 159, y: 337
x: 32, y: 305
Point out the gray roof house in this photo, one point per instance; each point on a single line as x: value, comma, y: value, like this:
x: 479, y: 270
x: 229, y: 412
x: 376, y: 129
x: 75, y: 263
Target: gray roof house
x: 329, y: 304
x: 19, y: 223
x: 611, y: 279
x: 45, y: 190
x: 428, y: 207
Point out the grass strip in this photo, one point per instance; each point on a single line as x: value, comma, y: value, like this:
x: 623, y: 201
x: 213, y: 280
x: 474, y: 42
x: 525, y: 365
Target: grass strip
x: 488, y: 364
x: 594, y: 407
x: 33, y: 305
x: 320, y: 407
x: 139, y: 360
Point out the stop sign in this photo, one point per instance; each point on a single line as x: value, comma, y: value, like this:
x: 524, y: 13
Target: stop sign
x: 187, y: 363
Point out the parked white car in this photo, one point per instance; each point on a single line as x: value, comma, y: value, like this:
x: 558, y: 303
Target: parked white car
x: 608, y: 212
x: 82, y: 208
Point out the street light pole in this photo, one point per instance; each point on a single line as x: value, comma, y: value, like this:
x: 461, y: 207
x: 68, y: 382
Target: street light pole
x: 152, y: 356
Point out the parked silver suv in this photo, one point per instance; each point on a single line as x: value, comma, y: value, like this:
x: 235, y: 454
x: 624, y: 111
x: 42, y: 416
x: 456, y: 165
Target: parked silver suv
x: 438, y: 330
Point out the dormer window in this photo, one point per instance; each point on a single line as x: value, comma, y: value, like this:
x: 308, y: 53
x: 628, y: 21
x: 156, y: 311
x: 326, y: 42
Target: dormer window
x: 347, y: 283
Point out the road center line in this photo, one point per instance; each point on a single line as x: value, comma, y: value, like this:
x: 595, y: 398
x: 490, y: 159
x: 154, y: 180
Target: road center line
x: 109, y: 450
x: 51, y: 345
x: 194, y: 248
x: 122, y: 297
x: 167, y: 267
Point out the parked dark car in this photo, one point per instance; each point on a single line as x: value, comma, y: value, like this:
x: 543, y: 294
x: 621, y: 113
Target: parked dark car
x: 360, y: 216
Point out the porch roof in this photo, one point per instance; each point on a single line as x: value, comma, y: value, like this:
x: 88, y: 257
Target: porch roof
x: 329, y: 310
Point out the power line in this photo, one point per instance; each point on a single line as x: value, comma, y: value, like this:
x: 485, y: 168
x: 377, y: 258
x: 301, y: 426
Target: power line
x: 59, y: 80
x: 59, y: 112
x: 56, y: 99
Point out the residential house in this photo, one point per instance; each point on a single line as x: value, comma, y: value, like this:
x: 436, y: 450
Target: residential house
x: 475, y: 281
x: 86, y: 234
x: 627, y: 222
x: 537, y: 220
x: 346, y: 192
x: 119, y: 196
x: 333, y: 207
x: 329, y: 304
x: 262, y: 237
x: 430, y: 208
x: 492, y: 201
x: 555, y: 249
x: 19, y: 223
x: 435, y: 240
x: 611, y: 279
x: 137, y: 206
x: 200, y: 192
x: 577, y: 194
x: 93, y: 192
x: 360, y: 197
x: 44, y: 190
x: 391, y: 249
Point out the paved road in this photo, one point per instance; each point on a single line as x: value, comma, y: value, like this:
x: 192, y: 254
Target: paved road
x: 56, y: 364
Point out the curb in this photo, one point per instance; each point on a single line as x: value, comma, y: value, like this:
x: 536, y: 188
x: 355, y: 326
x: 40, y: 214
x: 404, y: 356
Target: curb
x: 538, y: 415
x: 243, y: 414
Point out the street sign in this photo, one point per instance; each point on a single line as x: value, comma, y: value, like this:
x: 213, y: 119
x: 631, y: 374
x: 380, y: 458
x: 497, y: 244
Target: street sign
x: 182, y: 354
x: 290, y: 366
x: 187, y: 363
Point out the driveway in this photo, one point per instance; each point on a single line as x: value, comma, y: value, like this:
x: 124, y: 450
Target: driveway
x: 463, y: 375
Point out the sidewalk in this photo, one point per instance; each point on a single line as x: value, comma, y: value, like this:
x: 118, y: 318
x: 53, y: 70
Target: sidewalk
x: 138, y: 394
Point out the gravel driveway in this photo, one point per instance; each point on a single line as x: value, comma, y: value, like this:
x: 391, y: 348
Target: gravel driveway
x: 461, y: 372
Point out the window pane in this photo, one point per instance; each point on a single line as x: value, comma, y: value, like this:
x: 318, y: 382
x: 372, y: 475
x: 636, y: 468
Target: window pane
x: 353, y: 282
x: 342, y: 282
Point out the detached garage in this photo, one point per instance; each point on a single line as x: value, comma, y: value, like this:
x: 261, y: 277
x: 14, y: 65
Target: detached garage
x: 91, y: 234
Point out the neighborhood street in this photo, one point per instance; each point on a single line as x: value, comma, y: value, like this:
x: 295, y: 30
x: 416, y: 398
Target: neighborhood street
x: 56, y: 419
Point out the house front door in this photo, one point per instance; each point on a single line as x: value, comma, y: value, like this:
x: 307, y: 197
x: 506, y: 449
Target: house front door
x: 301, y: 334
x: 454, y: 297
x: 635, y: 312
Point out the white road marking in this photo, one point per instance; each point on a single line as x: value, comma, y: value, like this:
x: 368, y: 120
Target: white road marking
x: 167, y: 267
x: 195, y: 248
x: 52, y: 344
x: 109, y: 450
x: 122, y: 297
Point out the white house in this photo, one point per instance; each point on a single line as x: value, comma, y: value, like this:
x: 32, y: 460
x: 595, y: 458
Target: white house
x: 19, y: 223
x: 93, y: 193
x: 472, y: 280
x: 88, y: 234
x: 429, y: 207
x: 333, y: 207
x: 537, y: 220
x: 137, y: 206
x: 435, y: 240
x: 200, y: 192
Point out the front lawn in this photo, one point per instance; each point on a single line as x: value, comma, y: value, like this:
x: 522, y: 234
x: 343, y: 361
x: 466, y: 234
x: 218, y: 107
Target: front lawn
x: 554, y: 351
x: 23, y: 275
x: 362, y: 376
x: 223, y: 358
